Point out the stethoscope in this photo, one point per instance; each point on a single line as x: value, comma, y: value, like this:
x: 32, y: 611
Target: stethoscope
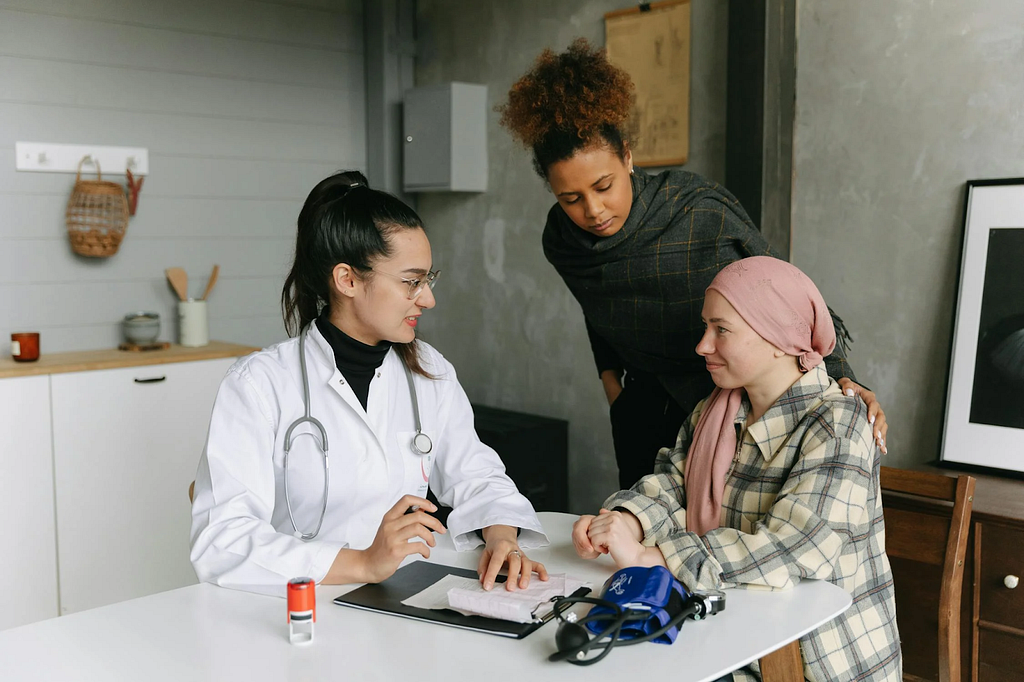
x: 421, y: 442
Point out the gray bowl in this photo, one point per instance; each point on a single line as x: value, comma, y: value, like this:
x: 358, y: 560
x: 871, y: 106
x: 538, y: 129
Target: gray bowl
x: 141, y: 327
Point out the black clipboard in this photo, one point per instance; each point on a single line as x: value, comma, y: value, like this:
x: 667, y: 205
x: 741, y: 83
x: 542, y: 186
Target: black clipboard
x: 387, y: 596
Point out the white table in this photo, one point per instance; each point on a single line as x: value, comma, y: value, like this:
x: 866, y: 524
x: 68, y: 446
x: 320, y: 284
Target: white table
x: 204, y: 632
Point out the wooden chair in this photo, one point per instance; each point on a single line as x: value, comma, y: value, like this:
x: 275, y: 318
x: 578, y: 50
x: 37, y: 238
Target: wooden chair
x: 783, y: 665
x: 927, y: 519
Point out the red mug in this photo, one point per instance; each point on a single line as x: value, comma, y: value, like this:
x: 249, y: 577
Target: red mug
x: 25, y: 346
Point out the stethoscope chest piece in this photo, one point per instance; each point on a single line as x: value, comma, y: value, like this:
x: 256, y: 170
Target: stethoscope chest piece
x: 422, y: 444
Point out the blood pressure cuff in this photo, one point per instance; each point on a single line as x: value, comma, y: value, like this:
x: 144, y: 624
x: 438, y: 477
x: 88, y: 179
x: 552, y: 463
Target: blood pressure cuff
x: 641, y: 589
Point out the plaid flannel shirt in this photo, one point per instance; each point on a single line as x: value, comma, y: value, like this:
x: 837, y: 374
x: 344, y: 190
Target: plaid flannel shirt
x: 801, y: 500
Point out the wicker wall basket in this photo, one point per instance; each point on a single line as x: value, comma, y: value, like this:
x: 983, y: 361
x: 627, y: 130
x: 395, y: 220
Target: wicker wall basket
x: 97, y: 215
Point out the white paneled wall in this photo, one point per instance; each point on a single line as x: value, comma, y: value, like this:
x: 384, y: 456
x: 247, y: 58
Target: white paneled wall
x: 243, y: 104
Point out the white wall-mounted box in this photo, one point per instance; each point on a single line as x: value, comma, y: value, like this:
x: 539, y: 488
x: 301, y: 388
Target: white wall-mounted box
x: 445, y: 138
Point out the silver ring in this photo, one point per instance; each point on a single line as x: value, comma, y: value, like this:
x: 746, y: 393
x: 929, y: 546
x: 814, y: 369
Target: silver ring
x: 516, y: 552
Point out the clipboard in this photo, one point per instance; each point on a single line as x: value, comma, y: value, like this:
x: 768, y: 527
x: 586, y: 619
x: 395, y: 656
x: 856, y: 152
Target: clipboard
x: 386, y: 597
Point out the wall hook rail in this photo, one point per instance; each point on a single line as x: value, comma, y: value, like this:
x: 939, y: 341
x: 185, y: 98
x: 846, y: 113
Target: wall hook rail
x: 47, y: 157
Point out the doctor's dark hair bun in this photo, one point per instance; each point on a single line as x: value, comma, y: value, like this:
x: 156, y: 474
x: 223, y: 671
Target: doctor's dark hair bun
x: 569, y: 102
x: 342, y: 221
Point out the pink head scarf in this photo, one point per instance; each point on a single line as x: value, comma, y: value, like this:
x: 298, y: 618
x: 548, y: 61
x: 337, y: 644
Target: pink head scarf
x: 783, y: 306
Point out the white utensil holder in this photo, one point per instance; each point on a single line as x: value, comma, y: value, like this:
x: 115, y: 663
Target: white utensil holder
x: 193, y: 327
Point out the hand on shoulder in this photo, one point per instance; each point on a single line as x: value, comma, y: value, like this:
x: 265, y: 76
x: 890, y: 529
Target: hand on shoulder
x: 876, y: 415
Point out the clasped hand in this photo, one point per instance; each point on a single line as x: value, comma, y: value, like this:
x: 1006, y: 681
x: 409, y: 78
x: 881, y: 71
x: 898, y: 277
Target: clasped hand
x: 616, y: 533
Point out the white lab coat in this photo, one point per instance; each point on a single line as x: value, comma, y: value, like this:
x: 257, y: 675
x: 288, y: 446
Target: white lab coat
x: 241, y: 535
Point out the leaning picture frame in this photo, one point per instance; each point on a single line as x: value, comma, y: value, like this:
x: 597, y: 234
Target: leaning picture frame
x: 983, y: 424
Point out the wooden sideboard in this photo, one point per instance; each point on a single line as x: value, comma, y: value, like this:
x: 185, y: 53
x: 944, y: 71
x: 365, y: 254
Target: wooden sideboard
x: 997, y: 553
x: 992, y: 614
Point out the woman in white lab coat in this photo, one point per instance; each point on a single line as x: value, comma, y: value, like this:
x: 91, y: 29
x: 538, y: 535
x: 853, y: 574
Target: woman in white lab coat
x: 360, y: 281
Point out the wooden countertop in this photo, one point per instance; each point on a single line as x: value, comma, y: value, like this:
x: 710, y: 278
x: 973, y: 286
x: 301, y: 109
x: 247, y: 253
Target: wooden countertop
x: 998, y: 499
x: 995, y: 498
x: 81, y: 361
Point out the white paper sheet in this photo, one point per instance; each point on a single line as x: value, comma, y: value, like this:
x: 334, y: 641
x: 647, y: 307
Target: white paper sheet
x: 467, y: 596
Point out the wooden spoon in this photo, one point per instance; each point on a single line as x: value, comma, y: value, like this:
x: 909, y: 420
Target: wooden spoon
x: 213, y: 280
x: 179, y: 282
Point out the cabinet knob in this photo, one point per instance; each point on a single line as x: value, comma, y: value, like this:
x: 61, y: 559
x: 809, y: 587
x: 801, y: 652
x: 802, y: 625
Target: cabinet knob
x: 1011, y: 581
x: 408, y: 138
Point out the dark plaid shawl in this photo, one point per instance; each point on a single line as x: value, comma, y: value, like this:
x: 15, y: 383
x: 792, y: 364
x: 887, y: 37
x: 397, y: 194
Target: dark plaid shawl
x: 642, y: 289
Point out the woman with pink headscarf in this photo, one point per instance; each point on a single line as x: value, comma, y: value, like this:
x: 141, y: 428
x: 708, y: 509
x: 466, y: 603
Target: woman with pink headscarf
x: 773, y: 478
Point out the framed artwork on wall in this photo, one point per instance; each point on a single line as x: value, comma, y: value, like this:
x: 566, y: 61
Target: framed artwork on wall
x: 651, y: 42
x: 984, y: 420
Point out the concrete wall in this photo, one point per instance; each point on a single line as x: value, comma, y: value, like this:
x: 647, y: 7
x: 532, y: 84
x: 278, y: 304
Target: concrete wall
x: 244, y: 105
x: 504, y: 317
x: 899, y: 103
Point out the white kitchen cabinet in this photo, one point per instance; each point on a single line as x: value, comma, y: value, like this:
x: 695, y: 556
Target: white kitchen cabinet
x: 126, y: 446
x: 28, y: 562
x: 97, y: 450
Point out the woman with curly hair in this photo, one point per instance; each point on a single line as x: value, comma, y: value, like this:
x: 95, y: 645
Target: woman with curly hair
x: 636, y: 250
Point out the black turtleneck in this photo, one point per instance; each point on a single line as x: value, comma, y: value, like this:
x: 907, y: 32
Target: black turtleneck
x: 355, y: 360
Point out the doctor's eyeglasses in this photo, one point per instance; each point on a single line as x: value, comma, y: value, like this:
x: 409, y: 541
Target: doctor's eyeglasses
x: 416, y: 284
